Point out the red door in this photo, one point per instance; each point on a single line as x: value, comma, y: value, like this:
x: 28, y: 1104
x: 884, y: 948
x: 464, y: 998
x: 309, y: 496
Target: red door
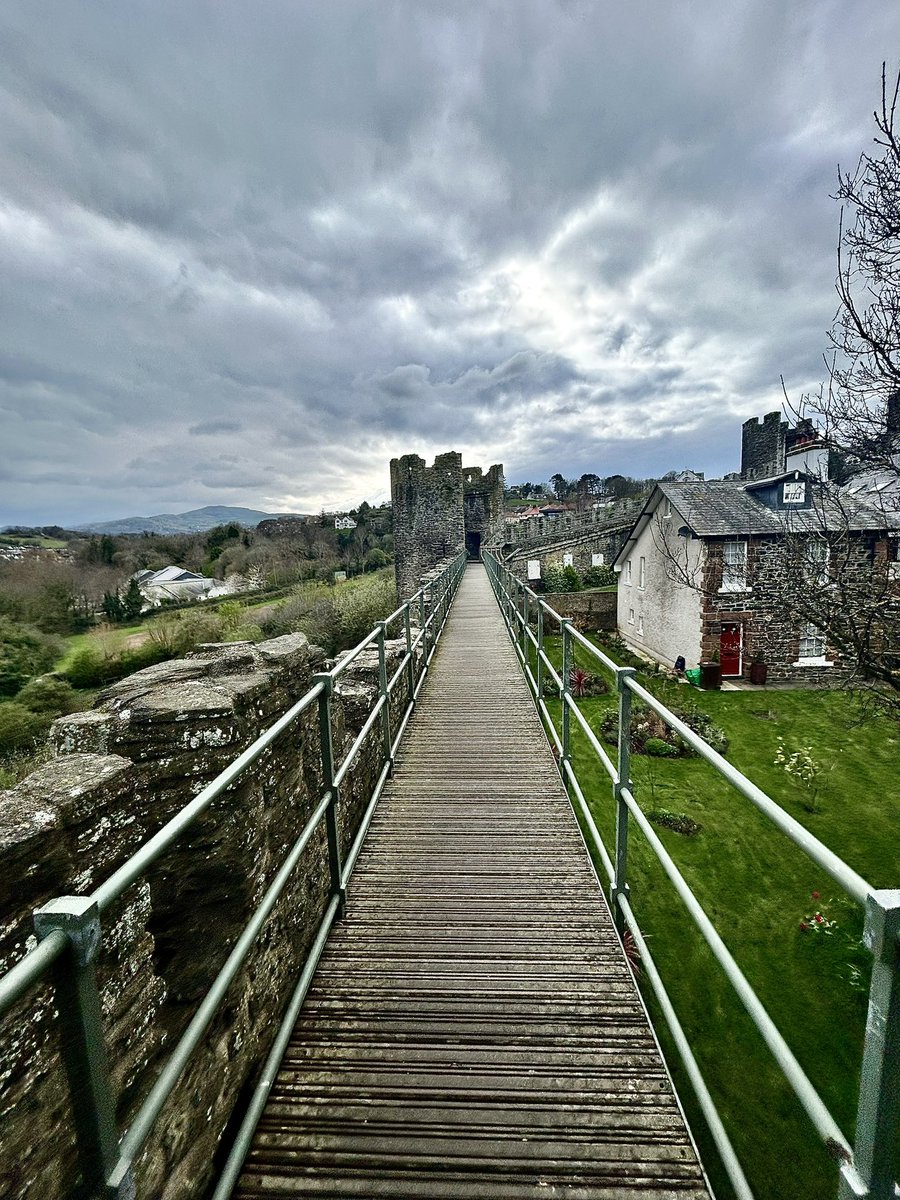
x: 730, y: 649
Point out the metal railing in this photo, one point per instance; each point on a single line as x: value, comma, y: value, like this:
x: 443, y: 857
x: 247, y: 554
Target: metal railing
x: 69, y: 932
x: 866, y: 1168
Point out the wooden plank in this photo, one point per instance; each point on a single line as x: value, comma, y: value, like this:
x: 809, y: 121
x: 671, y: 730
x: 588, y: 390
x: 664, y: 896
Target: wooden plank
x: 473, y: 1029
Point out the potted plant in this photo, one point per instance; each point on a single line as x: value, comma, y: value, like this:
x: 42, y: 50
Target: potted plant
x: 711, y: 672
x: 759, y: 669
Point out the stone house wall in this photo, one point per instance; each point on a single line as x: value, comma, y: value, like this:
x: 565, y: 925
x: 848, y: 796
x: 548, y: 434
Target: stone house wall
x: 767, y: 630
x: 120, y: 772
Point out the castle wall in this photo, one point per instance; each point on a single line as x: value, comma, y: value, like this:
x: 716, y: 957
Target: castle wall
x: 120, y: 772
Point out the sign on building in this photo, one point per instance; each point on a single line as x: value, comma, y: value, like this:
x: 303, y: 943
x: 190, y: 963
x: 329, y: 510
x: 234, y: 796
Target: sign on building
x: 596, y: 560
x: 568, y: 559
x: 534, y: 568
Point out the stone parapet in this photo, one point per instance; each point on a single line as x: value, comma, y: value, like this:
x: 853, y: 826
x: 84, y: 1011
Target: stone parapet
x: 152, y: 742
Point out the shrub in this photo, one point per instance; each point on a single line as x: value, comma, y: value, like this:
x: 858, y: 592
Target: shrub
x: 679, y: 822
x: 598, y: 577
x: 20, y: 728
x: 572, y: 580
x: 554, y: 579
x: 648, y: 726
x: 49, y: 694
x: 658, y: 748
x: 24, y: 651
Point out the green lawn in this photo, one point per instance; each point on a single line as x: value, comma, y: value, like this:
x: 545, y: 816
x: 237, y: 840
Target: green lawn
x: 757, y: 887
x: 42, y: 543
x: 114, y: 637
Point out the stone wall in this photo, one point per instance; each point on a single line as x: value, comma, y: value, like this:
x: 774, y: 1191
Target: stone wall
x: 120, y: 772
x: 569, y: 526
x: 582, y: 551
x: 591, y: 610
x: 483, y: 509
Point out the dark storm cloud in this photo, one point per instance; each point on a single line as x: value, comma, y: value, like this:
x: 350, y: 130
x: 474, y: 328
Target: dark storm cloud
x: 251, y: 253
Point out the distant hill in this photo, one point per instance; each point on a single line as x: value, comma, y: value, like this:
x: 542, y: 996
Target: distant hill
x: 198, y: 520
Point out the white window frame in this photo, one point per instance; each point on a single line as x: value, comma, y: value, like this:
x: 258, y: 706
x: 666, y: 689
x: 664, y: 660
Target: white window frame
x: 631, y: 616
x: 816, y: 561
x: 734, y: 573
x: 642, y: 572
x: 811, y: 647
x: 793, y: 491
x: 640, y: 625
x: 628, y: 571
x: 667, y: 509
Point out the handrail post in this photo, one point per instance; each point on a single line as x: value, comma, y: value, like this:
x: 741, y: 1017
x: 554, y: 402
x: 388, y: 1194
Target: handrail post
x: 327, y: 754
x: 525, y: 626
x: 879, y: 1090
x: 620, y: 886
x: 423, y: 629
x: 83, y: 1044
x: 565, y: 692
x: 540, y: 652
x: 411, y: 665
x: 384, y: 694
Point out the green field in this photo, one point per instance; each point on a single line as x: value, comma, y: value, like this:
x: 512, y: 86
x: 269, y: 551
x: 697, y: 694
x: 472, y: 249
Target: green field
x: 41, y: 543
x: 757, y: 887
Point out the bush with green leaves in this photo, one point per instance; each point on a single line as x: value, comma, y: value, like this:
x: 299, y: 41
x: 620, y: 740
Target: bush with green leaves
x: 21, y: 730
x: 24, y: 652
x: 659, y: 748
x: 49, y: 694
x: 599, y: 577
x: 678, y: 822
x: 648, y: 726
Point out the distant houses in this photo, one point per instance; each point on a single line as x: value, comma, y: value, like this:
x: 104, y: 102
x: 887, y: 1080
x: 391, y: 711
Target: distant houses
x: 177, y: 585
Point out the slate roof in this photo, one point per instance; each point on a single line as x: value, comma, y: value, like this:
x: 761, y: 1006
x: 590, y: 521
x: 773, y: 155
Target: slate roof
x: 723, y: 507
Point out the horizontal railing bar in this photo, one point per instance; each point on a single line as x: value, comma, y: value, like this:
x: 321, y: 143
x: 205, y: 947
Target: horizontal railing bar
x: 611, y: 769
x: 241, y: 1145
x: 698, y: 1083
x: 345, y: 766
x: 821, y: 1118
x: 542, y: 705
x: 140, y: 1128
x: 28, y: 971
x: 364, y: 825
x: 353, y: 654
x: 398, y: 612
x: 590, y: 822
x: 109, y: 891
x: 404, y: 661
x: 853, y: 884
x: 408, y: 712
x: 557, y: 679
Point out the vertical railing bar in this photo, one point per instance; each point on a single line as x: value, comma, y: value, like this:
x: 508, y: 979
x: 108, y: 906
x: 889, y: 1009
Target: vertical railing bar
x: 326, y: 749
x: 566, y: 691
x: 622, y: 780
x: 878, y: 1112
x: 384, y: 693
x: 407, y: 629
x: 83, y: 1042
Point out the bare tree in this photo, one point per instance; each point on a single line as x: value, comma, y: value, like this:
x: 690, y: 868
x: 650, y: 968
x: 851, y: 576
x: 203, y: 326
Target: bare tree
x: 861, y: 408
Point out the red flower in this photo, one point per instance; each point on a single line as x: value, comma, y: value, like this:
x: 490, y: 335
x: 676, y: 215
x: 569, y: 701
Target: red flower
x: 819, y: 918
x: 815, y: 895
x: 804, y: 926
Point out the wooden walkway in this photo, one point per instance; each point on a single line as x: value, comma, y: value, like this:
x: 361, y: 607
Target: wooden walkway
x: 473, y: 1029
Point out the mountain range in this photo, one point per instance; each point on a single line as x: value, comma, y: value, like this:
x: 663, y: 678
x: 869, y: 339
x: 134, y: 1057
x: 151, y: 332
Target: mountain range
x: 198, y: 520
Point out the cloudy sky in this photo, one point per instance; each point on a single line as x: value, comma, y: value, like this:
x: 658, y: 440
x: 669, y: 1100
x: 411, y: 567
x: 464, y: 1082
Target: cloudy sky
x: 250, y: 252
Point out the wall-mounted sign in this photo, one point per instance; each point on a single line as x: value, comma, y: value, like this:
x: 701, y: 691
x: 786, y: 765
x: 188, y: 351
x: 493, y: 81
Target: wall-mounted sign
x: 534, y: 568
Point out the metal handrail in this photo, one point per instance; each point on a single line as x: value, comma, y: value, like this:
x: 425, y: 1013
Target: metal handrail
x: 866, y: 1170
x: 69, y: 927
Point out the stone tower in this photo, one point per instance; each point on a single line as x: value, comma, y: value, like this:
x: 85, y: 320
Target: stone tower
x: 438, y: 510
x: 763, y: 446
